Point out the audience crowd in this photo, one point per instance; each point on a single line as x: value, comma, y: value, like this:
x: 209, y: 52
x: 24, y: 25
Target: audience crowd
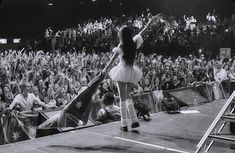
x: 58, y: 79
x: 77, y: 55
x: 173, y: 34
x: 176, y: 53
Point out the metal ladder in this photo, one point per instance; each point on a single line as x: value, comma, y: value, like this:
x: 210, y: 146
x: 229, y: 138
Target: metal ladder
x: 224, y: 114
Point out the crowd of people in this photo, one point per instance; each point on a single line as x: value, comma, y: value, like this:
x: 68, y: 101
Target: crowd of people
x: 181, y: 34
x: 79, y: 54
x: 57, y: 80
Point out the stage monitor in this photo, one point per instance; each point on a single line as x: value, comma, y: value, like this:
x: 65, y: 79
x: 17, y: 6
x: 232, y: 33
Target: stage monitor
x: 16, y: 40
x: 3, y: 41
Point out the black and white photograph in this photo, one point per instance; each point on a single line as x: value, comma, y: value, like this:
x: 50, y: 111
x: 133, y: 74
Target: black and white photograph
x: 117, y: 76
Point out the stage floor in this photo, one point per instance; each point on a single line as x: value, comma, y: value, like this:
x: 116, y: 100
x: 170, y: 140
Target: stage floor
x: 165, y: 133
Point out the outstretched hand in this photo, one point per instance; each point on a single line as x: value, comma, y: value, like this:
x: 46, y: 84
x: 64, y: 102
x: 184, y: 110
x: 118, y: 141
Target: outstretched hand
x: 151, y: 21
x: 157, y: 17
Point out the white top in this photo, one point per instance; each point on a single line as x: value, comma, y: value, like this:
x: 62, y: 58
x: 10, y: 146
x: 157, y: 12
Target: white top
x: 220, y: 75
x: 137, y: 39
x: 25, y: 103
x: 208, y: 17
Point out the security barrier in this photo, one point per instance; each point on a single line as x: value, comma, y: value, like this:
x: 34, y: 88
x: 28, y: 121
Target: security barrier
x: 201, y: 93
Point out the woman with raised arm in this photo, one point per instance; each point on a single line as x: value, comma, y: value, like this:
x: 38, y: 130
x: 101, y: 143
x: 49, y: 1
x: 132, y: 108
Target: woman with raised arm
x: 125, y: 73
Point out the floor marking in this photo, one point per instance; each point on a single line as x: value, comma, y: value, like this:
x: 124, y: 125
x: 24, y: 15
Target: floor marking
x: 152, y: 145
x: 139, y: 142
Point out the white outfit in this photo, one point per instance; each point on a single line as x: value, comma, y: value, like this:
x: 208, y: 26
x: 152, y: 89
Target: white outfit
x: 25, y: 103
x: 220, y: 75
x: 213, y: 18
x: 123, y: 72
x: 188, y: 22
x: 208, y: 17
x: 193, y: 24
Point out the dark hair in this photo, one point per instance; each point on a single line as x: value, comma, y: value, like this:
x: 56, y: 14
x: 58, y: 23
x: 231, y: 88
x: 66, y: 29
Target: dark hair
x: 108, y: 98
x: 22, y: 85
x: 129, y: 46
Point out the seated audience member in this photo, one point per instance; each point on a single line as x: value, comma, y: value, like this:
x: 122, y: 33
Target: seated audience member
x: 26, y: 100
x: 110, y: 112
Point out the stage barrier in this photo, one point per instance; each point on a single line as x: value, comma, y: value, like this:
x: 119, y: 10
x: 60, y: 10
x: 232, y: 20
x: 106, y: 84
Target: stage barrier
x: 201, y: 93
x: 72, y: 124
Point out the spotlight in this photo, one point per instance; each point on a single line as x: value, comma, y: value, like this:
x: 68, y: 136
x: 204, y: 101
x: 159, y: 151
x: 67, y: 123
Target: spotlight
x: 50, y: 4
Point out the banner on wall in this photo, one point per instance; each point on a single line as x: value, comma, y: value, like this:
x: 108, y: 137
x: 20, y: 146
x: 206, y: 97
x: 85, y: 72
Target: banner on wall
x: 225, y: 53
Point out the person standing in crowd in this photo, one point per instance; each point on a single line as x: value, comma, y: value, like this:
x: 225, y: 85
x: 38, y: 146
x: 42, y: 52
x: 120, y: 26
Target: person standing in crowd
x: 26, y: 99
x: 7, y: 95
x: 125, y: 73
x: 188, y: 22
x: 220, y: 75
x: 211, y: 18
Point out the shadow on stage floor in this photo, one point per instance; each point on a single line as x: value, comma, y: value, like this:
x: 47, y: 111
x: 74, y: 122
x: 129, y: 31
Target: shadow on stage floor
x: 165, y: 133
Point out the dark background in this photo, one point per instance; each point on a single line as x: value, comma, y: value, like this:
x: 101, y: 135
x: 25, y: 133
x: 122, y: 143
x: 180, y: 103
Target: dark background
x: 29, y: 18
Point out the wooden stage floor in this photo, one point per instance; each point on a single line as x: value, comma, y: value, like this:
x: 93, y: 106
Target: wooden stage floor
x: 165, y: 133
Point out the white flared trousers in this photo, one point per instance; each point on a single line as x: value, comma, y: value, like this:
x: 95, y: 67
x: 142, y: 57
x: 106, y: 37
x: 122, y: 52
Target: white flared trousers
x: 127, y: 111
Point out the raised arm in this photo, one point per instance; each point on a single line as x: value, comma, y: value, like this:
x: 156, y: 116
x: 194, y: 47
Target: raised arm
x: 15, y: 101
x: 154, y: 18
x: 39, y: 102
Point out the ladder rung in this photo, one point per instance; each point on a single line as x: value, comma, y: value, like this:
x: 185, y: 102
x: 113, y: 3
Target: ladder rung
x: 233, y: 114
x: 228, y: 117
x: 221, y: 138
x: 215, y: 123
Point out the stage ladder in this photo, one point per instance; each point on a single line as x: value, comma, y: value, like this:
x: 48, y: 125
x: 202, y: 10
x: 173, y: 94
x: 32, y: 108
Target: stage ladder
x: 224, y: 115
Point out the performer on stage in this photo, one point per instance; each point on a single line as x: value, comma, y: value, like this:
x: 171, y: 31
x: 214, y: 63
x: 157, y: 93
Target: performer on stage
x: 125, y: 73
